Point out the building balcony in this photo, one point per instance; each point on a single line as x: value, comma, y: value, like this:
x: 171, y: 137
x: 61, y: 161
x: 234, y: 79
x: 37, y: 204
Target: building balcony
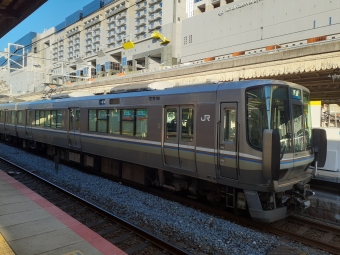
x: 141, y: 14
x: 140, y: 22
x: 154, y: 1
x: 116, y: 10
x: 121, y: 15
x: 155, y: 8
x: 89, y: 54
x: 111, y: 20
x: 72, y: 32
x: 111, y: 39
x: 140, y: 31
x: 155, y: 26
x: 96, y: 33
x: 111, y: 34
x: 121, y: 32
x: 155, y: 16
x: 110, y: 42
x: 92, y: 22
x: 111, y: 27
x: 121, y: 22
x: 140, y: 7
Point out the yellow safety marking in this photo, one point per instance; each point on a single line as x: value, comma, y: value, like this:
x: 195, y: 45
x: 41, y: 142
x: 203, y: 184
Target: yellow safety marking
x: 77, y: 252
x: 4, y: 247
x: 315, y: 102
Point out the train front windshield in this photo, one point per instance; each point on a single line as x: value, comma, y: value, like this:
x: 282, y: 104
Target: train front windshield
x: 269, y: 107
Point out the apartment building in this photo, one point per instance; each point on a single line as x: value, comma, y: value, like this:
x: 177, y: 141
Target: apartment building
x: 107, y: 37
x: 94, y: 46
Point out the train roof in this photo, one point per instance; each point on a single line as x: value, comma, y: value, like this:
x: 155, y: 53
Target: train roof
x: 168, y: 90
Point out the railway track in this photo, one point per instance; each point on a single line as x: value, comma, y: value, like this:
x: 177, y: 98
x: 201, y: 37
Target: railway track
x: 125, y: 235
x: 311, y: 232
x: 301, y: 229
x: 322, y: 236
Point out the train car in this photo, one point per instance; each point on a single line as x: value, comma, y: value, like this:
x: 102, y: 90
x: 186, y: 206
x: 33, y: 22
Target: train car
x: 243, y: 145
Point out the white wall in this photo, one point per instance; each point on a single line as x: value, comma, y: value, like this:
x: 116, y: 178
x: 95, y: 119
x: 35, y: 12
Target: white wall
x: 263, y: 23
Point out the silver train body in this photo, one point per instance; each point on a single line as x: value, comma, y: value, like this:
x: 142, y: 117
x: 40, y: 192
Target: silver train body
x: 212, y: 140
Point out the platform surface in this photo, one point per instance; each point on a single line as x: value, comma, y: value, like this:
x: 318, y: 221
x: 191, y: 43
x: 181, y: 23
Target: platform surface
x: 326, y: 175
x: 30, y: 225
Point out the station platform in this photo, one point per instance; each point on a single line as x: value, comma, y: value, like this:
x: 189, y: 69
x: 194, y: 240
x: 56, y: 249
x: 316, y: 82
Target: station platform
x: 330, y: 176
x: 31, y: 225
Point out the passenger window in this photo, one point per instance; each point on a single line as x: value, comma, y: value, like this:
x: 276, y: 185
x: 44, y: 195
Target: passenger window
x: 8, y: 117
x: 229, y: 125
x: 20, y: 113
x: 28, y: 117
x: 41, y: 118
x: 47, y: 119
x: 102, y: 121
x: 13, y: 117
x: 59, y: 118
x: 187, y: 124
x: 53, y: 119
x: 92, y: 120
x: 128, y: 122
x: 142, y: 123
x: 171, y: 124
x: 114, y: 121
x: 37, y: 118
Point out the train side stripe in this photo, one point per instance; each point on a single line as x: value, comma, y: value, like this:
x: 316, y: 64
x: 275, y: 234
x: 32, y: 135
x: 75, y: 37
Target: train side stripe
x: 199, y: 150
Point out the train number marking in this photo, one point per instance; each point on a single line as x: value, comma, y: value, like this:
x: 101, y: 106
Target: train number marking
x: 205, y: 118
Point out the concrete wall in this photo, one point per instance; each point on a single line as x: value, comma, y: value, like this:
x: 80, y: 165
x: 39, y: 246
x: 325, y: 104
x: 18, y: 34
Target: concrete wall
x: 225, y: 30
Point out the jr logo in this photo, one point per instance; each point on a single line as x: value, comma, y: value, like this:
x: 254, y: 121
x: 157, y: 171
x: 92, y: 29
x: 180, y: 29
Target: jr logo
x: 205, y: 118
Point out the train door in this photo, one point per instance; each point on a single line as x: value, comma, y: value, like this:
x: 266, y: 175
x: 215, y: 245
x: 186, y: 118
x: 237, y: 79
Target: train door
x: 28, y: 126
x: 299, y: 133
x: 227, y: 147
x: 74, y: 128
x: 179, y: 141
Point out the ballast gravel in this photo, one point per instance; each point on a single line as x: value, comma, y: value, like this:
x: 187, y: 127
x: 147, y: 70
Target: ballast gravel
x: 177, y: 223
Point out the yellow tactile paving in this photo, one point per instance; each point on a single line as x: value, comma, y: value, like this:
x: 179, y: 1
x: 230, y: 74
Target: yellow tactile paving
x: 4, y: 247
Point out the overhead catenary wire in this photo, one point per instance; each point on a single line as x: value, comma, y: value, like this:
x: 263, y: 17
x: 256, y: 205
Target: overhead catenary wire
x: 57, y: 32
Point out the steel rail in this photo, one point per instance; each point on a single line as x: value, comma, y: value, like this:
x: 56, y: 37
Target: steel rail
x: 129, y: 226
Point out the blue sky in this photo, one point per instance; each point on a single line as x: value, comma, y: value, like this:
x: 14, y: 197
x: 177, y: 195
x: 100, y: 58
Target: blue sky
x: 50, y: 14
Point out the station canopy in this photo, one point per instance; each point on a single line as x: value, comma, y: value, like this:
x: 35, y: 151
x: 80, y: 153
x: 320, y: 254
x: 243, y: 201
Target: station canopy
x: 12, y: 12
